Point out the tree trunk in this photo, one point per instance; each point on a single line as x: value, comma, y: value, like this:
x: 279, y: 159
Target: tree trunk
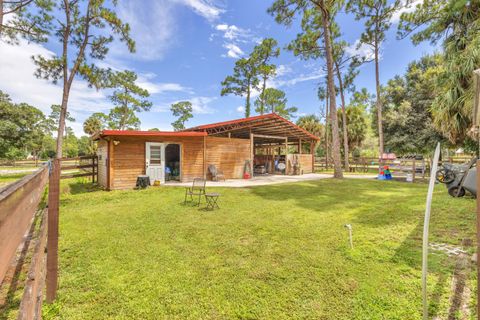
x: 66, y: 87
x: 346, y: 152
x: 247, y: 105
x: 327, y: 121
x: 1, y: 17
x: 262, y: 95
x: 378, y: 103
x: 123, y: 119
x: 337, y: 163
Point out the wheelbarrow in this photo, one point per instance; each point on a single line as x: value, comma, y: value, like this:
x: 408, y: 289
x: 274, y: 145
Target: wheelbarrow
x: 459, y: 178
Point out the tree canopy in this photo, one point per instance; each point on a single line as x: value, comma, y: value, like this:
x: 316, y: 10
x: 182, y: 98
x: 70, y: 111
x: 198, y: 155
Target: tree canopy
x: 454, y: 23
x: 243, y: 80
x: 127, y: 98
x: 84, y: 29
x: 183, y: 111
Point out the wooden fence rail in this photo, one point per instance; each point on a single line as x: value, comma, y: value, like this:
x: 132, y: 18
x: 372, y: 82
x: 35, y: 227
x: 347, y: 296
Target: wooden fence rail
x: 86, y: 166
x: 18, y: 204
x: 19, y: 207
x: 401, y: 165
x: 31, y: 304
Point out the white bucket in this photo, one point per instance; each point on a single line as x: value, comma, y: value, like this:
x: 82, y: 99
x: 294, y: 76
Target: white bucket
x: 409, y: 177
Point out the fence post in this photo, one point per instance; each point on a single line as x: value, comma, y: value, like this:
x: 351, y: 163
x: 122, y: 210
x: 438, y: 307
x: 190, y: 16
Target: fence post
x: 414, y: 169
x: 52, y: 238
x: 93, y: 169
x: 423, y: 168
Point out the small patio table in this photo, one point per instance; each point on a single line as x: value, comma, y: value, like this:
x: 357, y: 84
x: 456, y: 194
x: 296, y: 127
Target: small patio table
x: 212, y: 199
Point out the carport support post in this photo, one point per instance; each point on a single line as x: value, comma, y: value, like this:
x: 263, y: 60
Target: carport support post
x: 205, y: 157
x: 414, y: 169
x: 252, y: 153
x: 312, y: 151
x: 286, y: 156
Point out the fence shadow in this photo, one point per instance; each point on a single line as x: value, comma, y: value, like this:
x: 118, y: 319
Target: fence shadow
x: 79, y: 186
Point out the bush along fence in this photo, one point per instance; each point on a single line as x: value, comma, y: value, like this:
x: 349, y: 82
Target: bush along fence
x: 29, y: 227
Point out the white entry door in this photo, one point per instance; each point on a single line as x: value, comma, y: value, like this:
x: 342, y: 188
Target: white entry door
x: 155, y: 161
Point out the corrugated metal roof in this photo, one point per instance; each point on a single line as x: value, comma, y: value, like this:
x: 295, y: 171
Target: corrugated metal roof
x: 270, y: 122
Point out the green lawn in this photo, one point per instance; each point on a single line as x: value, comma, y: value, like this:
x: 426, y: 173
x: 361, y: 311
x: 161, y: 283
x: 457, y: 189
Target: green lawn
x: 10, y: 177
x: 271, y: 252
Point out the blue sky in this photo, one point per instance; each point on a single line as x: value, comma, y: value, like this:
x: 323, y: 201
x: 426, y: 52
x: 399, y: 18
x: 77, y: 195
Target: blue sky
x: 185, y: 48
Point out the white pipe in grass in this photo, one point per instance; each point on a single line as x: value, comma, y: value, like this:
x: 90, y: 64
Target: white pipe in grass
x: 426, y: 223
x: 349, y: 227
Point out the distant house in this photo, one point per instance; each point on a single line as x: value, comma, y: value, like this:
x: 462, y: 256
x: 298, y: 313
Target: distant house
x: 265, y: 144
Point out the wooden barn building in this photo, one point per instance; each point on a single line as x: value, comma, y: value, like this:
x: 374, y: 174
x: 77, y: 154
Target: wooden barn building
x: 262, y: 145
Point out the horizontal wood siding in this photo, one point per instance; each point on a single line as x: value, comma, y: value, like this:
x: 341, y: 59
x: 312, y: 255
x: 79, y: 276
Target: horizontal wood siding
x: 102, y: 153
x: 305, y: 163
x: 228, y: 155
x: 129, y: 158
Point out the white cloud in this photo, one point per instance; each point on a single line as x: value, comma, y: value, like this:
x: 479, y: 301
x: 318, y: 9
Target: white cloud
x: 406, y: 8
x: 17, y: 79
x: 241, y: 109
x: 204, y: 8
x: 233, y: 51
x: 200, y: 105
x: 303, y: 77
x: 360, y: 50
x: 233, y: 37
x: 283, y: 70
x: 145, y: 81
x: 233, y: 33
x: 154, y: 26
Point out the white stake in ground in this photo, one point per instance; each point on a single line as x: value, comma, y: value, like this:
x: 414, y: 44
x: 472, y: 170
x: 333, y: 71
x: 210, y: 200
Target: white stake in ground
x: 349, y: 227
x: 425, y: 231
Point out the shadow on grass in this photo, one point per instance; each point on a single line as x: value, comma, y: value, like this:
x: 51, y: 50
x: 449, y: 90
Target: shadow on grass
x: 79, y: 186
x: 373, y: 202
x: 439, y: 264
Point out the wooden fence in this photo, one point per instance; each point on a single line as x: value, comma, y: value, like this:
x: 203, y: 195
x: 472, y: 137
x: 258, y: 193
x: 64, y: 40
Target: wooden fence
x: 23, y: 163
x: 86, y: 166
x: 26, y: 224
x: 400, y: 166
x: 19, y: 204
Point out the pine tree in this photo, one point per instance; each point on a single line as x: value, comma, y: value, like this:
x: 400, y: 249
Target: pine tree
x: 314, y: 42
x: 242, y: 82
x: 128, y: 99
x: 80, y: 27
x: 183, y: 111
x: 377, y: 15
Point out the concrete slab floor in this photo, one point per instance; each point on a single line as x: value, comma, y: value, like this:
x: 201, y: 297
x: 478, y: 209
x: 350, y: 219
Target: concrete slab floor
x: 267, y: 180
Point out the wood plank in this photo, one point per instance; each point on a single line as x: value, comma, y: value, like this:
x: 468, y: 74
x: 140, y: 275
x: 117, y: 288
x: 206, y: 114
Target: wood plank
x: 75, y: 175
x: 83, y: 166
x: 18, y: 204
x: 30, y: 303
x: 267, y: 136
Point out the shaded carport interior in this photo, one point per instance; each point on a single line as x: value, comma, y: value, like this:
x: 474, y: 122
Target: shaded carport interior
x: 272, y: 139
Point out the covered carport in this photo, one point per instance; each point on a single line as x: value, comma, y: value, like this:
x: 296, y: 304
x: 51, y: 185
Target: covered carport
x: 277, y: 146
